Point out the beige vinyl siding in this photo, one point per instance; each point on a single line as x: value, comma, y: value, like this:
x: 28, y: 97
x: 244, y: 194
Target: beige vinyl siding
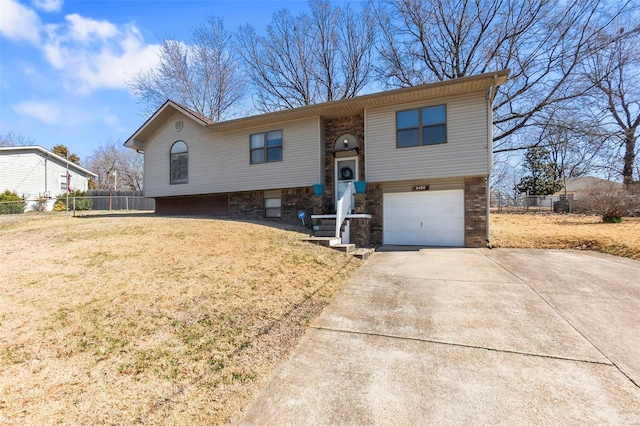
x: 434, y: 185
x: 464, y: 154
x: 219, y: 162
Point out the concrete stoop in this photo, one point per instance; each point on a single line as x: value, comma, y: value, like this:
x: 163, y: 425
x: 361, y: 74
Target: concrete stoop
x: 335, y: 243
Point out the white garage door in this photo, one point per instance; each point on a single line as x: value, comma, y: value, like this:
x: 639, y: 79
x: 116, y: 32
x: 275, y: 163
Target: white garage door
x: 424, y: 218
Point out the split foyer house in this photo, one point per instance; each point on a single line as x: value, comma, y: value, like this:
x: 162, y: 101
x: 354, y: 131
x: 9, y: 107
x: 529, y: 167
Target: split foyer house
x: 34, y: 172
x: 425, y: 153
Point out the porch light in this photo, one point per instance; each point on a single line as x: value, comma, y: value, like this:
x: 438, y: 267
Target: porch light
x: 345, y: 142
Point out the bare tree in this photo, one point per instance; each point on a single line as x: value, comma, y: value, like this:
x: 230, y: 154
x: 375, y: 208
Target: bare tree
x: 111, y: 159
x: 543, y: 42
x: 614, y: 71
x: 11, y: 138
x: 203, y: 76
x: 314, y: 57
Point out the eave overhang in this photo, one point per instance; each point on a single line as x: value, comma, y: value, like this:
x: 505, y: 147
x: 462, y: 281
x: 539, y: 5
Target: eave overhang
x: 354, y: 106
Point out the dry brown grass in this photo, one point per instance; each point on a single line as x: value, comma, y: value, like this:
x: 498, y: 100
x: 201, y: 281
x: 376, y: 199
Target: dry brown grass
x: 121, y: 320
x: 566, y: 232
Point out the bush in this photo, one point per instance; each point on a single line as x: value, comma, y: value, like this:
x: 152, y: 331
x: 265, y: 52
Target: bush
x: 11, y: 203
x: 609, y: 200
x: 83, y: 202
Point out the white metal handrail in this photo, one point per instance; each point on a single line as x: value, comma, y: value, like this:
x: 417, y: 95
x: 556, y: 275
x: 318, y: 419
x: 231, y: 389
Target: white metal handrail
x: 343, y: 207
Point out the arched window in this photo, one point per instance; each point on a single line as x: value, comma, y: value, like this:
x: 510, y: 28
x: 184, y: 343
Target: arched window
x: 179, y: 163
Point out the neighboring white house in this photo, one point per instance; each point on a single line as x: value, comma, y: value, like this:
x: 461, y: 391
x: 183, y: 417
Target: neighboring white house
x: 34, y: 173
x: 425, y: 153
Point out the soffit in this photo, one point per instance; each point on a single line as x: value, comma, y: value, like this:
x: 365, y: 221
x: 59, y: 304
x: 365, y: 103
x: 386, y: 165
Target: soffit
x: 355, y: 106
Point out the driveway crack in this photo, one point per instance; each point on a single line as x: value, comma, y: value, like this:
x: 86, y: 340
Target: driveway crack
x: 462, y: 345
x: 581, y: 333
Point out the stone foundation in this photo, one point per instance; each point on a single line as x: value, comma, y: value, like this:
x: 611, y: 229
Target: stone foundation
x: 250, y: 205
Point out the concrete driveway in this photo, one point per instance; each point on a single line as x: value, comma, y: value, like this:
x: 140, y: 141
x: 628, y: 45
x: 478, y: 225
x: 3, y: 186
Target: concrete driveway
x: 469, y: 336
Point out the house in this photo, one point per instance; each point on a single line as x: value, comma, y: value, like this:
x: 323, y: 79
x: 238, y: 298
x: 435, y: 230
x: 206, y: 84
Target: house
x: 34, y: 173
x: 425, y: 153
x: 579, y: 187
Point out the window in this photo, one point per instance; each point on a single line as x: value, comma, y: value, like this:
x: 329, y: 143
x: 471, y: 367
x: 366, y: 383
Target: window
x: 266, y: 147
x: 424, y: 126
x: 179, y: 163
x: 63, y: 182
x: 272, y: 205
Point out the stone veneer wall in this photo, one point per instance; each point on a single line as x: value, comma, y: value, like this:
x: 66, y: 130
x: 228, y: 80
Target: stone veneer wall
x: 332, y: 129
x: 374, y: 207
x: 250, y: 204
x: 360, y: 228
x: 475, y: 207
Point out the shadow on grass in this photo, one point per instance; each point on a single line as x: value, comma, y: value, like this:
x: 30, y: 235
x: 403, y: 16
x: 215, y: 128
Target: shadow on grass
x: 265, y: 222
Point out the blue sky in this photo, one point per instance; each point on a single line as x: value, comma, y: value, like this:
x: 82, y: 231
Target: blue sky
x: 63, y: 63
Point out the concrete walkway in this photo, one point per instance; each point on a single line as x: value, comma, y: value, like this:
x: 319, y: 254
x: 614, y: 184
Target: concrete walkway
x: 466, y: 336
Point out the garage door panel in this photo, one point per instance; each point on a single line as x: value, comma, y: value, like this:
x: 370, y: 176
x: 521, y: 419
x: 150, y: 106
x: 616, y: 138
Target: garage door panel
x: 424, y: 218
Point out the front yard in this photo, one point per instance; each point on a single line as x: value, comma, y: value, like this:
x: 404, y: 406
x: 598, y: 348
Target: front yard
x: 549, y: 231
x: 143, y: 319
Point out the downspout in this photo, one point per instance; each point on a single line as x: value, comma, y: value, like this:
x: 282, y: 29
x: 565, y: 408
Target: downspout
x: 46, y: 189
x: 490, y: 96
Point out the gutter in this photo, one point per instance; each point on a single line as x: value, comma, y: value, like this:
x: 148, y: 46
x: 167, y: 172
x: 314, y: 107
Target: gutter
x: 490, y: 97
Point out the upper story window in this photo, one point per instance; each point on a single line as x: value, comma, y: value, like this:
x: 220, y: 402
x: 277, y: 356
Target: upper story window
x: 423, y: 126
x: 179, y: 163
x: 266, y: 147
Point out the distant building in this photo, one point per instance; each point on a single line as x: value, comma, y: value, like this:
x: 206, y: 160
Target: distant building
x: 579, y: 186
x: 34, y: 172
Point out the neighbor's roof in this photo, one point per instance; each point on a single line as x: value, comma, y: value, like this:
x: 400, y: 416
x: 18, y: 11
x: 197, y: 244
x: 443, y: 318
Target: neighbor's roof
x: 332, y: 109
x: 583, y: 183
x: 44, y: 152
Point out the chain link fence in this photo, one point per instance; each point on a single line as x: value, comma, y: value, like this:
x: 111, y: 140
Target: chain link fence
x: 501, y: 201
x: 90, y: 202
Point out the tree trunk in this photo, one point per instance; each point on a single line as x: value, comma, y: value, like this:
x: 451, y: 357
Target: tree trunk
x: 629, y: 156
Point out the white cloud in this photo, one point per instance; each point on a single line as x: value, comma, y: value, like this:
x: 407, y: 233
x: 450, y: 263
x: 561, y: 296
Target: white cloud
x: 88, y: 54
x: 112, y: 121
x: 19, y: 23
x: 49, y: 112
x: 67, y: 114
x: 92, y: 55
x: 48, y: 5
x: 86, y: 29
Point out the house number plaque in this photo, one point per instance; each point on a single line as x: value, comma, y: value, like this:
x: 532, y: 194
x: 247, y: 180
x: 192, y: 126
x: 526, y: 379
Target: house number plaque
x: 421, y: 188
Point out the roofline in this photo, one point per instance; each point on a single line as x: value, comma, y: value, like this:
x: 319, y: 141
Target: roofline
x: 166, y: 104
x: 500, y: 78
x: 49, y: 153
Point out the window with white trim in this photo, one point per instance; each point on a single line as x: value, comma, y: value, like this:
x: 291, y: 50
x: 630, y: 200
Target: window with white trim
x: 422, y: 126
x: 179, y: 163
x: 272, y: 204
x: 265, y: 147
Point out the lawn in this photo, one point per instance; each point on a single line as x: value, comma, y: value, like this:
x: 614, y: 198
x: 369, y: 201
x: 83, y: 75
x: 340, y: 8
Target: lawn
x: 549, y: 231
x: 140, y: 319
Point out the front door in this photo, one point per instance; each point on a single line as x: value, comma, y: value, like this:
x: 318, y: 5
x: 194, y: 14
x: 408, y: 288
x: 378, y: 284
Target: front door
x: 346, y: 171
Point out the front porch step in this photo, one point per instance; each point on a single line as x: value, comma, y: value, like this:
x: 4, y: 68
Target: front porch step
x: 323, y: 241
x: 347, y: 248
x: 335, y: 243
x: 362, y: 253
x: 331, y: 233
x: 326, y: 228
